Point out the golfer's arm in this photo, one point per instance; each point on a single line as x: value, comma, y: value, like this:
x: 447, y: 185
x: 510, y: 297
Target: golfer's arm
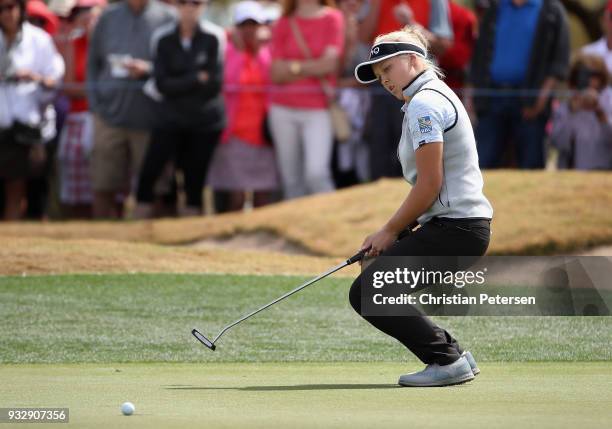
x: 424, y: 192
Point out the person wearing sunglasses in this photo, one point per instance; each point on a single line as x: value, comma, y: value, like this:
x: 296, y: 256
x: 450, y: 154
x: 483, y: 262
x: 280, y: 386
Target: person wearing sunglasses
x: 30, y: 68
x: 188, y: 73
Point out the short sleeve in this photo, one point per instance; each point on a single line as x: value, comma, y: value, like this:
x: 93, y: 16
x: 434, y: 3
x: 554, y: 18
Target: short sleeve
x: 428, y: 116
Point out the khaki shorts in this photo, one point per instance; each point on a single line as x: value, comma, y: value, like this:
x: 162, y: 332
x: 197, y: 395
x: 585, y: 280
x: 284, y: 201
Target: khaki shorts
x: 116, y: 156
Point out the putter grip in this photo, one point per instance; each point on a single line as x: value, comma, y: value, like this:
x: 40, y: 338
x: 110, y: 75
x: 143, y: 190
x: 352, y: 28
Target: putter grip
x: 356, y: 257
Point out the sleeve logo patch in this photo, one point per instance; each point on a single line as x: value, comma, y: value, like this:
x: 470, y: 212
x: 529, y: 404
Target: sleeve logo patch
x: 425, y: 124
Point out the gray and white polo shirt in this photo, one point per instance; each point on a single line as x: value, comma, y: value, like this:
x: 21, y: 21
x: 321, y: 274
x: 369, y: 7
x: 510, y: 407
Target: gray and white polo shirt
x: 435, y: 114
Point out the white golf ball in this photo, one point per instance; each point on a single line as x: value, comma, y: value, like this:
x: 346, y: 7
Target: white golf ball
x: 127, y: 408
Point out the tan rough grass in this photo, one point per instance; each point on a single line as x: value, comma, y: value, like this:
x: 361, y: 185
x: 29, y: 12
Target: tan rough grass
x: 19, y: 256
x: 535, y: 213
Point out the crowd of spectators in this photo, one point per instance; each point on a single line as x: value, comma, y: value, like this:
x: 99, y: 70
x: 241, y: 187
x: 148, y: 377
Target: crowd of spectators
x: 152, y: 100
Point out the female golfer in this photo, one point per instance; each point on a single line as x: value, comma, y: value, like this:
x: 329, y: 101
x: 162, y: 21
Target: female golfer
x: 438, y: 155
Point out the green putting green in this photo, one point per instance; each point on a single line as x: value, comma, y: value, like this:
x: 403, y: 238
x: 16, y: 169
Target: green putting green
x: 270, y: 395
x: 92, y: 342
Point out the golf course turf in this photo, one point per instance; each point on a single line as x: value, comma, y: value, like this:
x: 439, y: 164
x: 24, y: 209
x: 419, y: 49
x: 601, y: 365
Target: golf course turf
x: 279, y: 395
x: 92, y: 342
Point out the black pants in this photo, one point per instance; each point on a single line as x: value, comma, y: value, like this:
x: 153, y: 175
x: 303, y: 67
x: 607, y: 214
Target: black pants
x: 438, y: 237
x: 191, y: 150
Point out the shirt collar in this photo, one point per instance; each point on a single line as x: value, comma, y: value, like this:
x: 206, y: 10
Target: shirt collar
x: 421, y: 79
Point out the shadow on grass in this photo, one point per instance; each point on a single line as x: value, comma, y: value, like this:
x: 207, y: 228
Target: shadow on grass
x: 289, y: 388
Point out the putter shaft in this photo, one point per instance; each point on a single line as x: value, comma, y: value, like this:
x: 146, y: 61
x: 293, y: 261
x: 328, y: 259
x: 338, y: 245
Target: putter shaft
x: 357, y: 257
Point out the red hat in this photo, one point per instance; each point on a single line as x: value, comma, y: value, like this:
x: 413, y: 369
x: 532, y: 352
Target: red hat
x: 609, y: 7
x: 38, y: 9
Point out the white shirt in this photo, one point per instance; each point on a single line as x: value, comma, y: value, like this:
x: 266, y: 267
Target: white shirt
x: 600, y: 48
x: 32, y: 50
x: 435, y: 114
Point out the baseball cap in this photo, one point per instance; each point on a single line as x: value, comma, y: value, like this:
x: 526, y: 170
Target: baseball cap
x: 38, y: 9
x: 249, y: 10
x: 380, y: 52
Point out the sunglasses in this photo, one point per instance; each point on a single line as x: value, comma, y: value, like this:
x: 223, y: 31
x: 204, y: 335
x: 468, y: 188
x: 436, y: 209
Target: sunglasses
x: 8, y: 7
x: 191, y: 2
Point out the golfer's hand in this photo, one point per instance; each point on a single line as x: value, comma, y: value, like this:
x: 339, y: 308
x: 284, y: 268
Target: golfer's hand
x: 378, y: 242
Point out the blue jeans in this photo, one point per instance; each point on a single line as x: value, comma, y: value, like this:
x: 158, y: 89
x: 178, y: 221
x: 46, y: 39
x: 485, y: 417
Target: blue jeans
x: 503, y: 122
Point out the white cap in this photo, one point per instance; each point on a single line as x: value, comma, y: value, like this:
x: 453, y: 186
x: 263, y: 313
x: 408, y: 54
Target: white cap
x: 249, y: 10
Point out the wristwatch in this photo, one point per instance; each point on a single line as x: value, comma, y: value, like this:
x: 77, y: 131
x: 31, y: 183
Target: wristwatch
x: 295, y: 67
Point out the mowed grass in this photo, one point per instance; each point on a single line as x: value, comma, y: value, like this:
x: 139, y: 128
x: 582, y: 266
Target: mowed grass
x: 277, y: 395
x: 148, y: 318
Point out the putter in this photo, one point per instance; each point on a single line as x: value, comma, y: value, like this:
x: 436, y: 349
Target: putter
x: 211, y: 344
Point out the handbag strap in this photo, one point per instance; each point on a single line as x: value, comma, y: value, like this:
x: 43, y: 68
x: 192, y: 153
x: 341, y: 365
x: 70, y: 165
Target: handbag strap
x: 299, y: 39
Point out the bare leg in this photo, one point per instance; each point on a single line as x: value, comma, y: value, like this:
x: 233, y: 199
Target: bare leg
x: 14, y: 195
x: 236, y: 201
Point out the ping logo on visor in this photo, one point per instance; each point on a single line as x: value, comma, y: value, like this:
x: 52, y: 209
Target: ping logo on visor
x: 382, y: 51
x: 388, y: 49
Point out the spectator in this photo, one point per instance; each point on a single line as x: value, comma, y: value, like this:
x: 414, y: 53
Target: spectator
x: 521, y: 53
x: 385, y: 121
x: 300, y: 120
x: 188, y: 71
x: 118, y: 64
x: 456, y: 58
x: 30, y: 68
x: 582, y: 126
x: 76, y: 139
x: 603, y: 46
x: 38, y: 189
x: 385, y: 16
x: 352, y: 164
x: 245, y: 160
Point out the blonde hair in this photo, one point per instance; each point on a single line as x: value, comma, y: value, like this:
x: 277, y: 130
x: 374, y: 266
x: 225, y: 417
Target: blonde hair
x: 412, y: 34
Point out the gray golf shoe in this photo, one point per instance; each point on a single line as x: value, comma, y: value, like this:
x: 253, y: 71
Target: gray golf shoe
x: 468, y: 356
x: 439, y: 375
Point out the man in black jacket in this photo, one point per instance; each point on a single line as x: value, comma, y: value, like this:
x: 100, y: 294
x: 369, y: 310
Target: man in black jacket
x: 521, y: 54
x: 188, y: 72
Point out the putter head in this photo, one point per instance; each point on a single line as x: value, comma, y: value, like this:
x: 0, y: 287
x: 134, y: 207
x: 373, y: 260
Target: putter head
x: 201, y: 338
